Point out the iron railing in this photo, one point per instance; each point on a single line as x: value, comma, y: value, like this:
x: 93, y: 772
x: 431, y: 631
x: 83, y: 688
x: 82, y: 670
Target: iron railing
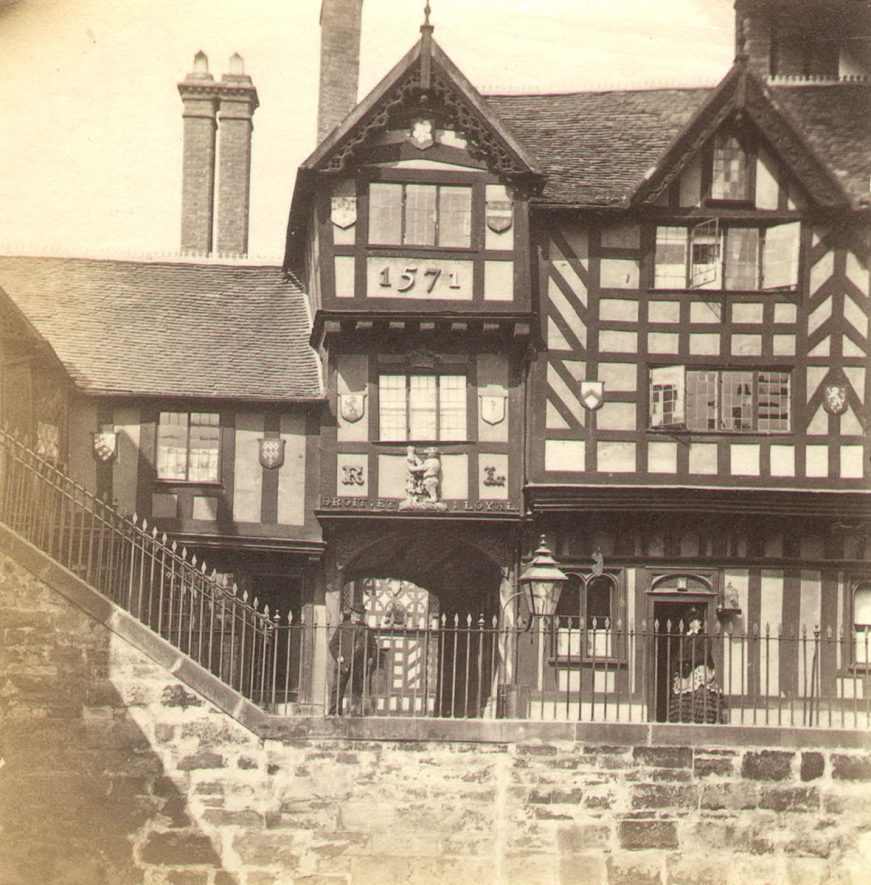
x: 136, y: 567
x: 459, y: 667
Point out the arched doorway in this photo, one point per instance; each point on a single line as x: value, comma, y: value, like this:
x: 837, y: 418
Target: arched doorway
x: 431, y: 600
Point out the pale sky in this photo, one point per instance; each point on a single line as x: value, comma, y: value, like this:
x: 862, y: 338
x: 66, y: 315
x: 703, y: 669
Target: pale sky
x: 90, y: 150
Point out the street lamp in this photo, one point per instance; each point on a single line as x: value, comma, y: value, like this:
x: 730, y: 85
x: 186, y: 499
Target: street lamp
x: 542, y: 580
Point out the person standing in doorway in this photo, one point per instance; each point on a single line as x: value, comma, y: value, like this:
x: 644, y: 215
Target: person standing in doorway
x: 355, y: 652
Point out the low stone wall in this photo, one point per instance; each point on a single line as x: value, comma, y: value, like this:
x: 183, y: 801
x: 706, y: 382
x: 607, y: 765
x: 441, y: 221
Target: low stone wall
x: 116, y: 771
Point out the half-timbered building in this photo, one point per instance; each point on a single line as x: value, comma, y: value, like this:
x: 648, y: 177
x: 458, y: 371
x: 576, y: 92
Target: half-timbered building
x: 635, y: 322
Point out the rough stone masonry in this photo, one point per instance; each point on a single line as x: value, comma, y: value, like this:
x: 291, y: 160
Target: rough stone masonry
x: 115, y: 772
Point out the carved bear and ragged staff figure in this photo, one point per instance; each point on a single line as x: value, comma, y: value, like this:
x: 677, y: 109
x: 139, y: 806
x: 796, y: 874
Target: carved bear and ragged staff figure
x: 423, y: 487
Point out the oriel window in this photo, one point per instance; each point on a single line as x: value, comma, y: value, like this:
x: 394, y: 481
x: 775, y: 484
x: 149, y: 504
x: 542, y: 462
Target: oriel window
x: 422, y: 407
x: 188, y: 446
x: 420, y: 215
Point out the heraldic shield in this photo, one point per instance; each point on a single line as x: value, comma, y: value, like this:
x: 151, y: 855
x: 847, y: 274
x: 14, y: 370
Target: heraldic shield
x: 271, y: 453
x: 343, y: 212
x: 592, y: 394
x: 500, y: 215
x: 352, y: 406
x: 835, y: 399
x: 105, y: 445
x: 493, y: 409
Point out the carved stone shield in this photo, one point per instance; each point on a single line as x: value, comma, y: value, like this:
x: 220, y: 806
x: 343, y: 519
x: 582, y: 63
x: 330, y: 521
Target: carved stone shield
x: 422, y: 134
x: 343, y: 213
x: 271, y: 453
x: 835, y: 399
x: 499, y: 215
x: 105, y: 445
x: 352, y: 406
x: 592, y: 394
x: 493, y: 408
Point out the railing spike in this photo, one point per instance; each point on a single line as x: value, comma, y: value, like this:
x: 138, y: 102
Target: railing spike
x: 303, y: 618
x: 256, y: 603
x: 154, y: 532
x: 266, y: 610
x: 828, y: 631
x: 203, y: 567
x: 224, y: 580
x: 174, y: 546
x: 163, y: 538
x: 144, y: 524
x: 456, y: 619
x: 245, y: 595
x: 234, y: 589
x: 194, y: 560
x: 135, y: 518
x: 495, y: 621
x: 469, y: 620
x: 184, y: 553
x: 619, y: 624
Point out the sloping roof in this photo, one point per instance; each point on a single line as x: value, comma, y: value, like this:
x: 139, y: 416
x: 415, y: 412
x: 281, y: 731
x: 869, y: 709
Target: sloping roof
x: 835, y: 119
x: 171, y: 329
x: 595, y: 147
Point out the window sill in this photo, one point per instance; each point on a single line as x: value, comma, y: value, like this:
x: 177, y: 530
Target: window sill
x: 684, y: 431
x: 420, y: 443
x: 188, y: 483
x: 783, y: 290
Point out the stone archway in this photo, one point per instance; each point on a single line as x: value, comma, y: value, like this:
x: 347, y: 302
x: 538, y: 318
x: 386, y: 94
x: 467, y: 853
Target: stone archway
x: 431, y: 597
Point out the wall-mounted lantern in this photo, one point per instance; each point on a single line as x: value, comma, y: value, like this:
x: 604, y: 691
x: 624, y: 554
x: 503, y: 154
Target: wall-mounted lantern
x: 542, y: 581
x: 730, y: 604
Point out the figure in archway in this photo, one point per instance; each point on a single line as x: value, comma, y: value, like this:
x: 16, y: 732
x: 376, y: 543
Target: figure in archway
x: 355, y: 652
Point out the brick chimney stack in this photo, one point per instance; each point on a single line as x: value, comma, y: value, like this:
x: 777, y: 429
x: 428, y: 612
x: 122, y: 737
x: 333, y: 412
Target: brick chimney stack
x: 340, y: 62
x: 226, y: 109
x: 199, y: 105
x: 238, y: 101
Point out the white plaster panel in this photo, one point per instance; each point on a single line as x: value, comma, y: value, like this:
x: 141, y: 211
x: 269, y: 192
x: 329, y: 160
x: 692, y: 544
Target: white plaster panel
x: 618, y: 342
x: 564, y: 455
x: 743, y: 312
x: 663, y: 311
x: 344, y: 270
x: 817, y: 461
x: 498, y: 280
x: 618, y: 273
x: 819, y: 424
x: 820, y: 315
x: 291, y: 474
x: 392, y: 476
x: 767, y: 188
x: 621, y: 377
x: 857, y: 273
x: 744, y: 459
x: 705, y: 312
x: 205, y: 507
x: 851, y: 349
x: 566, y: 310
x: 564, y: 269
x: 556, y: 340
x: 621, y: 236
x: 784, y: 312
x: 704, y: 344
x: 852, y: 462
x: 663, y: 342
x: 855, y: 316
x: 703, y: 458
x: 662, y: 457
x: 784, y: 345
x: 622, y: 310
x: 850, y: 424
x: 615, y: 457
x: 823, y: 348
x: 856, y: 377
x: 746, y: 345
x: 782, y: 460
x: 821, y: 271
x: 691, y: 183
x: 247, y: 471
x: 770, y: 619
x: 455, y: 477
x: 616, y: 416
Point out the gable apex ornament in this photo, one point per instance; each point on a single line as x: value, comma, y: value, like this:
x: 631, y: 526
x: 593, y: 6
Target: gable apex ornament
x: 271, y: 453
x: 422, y: 133
x: 592, y: 394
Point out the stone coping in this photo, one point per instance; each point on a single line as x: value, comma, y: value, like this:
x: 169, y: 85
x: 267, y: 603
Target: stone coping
x: 401, y: 729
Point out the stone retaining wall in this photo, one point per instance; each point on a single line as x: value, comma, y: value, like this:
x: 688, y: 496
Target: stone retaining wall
x: 116, y: 771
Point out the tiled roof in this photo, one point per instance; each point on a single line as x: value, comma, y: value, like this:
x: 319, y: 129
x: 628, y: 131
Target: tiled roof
x: 594, y: 147
x: 173, y: 329
x: 835, y: 119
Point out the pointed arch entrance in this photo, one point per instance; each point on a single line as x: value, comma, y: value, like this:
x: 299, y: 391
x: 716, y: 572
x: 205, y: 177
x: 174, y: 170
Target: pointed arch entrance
x: 430, y: 598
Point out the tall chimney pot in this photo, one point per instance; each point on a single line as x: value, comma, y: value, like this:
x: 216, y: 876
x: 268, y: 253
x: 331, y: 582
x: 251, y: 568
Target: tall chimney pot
x: 340, y: 62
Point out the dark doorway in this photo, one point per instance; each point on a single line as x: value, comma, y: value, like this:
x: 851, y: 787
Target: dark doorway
x: 669, y: 626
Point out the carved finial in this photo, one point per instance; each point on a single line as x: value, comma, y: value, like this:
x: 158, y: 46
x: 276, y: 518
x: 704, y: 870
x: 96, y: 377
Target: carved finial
x: 426, y: 12
x: 741, y: 54
x: 426, y: 50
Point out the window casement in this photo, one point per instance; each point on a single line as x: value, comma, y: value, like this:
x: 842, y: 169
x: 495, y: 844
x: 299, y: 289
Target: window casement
x: 422, y: 408
x: 420, y: 215
x: 586, y: 618
x: 730, y: 173
x: 713, y: 255
x: 189, y: 446
x: 720, y: 400
x: 862, y: 623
